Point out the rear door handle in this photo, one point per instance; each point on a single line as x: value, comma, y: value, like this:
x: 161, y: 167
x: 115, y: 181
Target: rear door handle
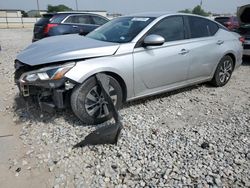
x: 220, y: 42
x: 183, y: 52
x: 75, y: 26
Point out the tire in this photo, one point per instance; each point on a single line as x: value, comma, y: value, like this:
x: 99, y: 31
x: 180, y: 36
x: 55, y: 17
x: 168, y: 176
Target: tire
x: 84, y: 101
x: 223, y: 71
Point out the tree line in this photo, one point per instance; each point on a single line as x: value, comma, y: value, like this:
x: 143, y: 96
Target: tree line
x: 61, y: 8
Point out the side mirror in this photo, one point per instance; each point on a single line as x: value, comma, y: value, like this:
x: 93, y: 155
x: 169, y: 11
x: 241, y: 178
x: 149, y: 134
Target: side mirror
x: 154, y: 40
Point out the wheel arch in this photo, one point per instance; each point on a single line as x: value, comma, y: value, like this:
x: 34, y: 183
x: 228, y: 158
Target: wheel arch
x: 113, y: 74
x: 121, y: 82
x: 230, y: 54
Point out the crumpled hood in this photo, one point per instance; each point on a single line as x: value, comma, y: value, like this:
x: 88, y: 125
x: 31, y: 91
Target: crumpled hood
x: 243, y: 14
x: 65, y: 48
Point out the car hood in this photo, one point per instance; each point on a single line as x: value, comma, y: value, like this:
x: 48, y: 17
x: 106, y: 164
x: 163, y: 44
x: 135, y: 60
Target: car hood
x: 243, y: 14
x: 65, y: 48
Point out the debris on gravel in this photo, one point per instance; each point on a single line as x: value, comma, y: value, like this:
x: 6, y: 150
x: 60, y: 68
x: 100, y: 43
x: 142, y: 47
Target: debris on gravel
x: 197, y: 136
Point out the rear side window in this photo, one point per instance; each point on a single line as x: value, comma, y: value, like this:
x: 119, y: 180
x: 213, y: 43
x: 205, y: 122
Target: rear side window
x: 200, y: 27
x: 78, y: 19
x: 84, y: 19
x: 171, y: 28
x: 98, y: 20
x: 58, y: 18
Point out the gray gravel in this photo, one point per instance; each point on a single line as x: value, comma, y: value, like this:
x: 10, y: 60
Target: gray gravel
x: 198, y: 136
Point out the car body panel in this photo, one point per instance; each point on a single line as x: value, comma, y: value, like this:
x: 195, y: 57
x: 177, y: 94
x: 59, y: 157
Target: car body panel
x: 155, y: 67
x: 65, y: 48
x: 120, y: 64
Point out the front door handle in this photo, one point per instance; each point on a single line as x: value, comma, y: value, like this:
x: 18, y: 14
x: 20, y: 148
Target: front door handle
x: 220, y: 42
x: 183, y: 52
x: 75, y: 26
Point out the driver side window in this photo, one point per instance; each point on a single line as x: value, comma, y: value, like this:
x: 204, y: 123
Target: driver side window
x: 171, y: 28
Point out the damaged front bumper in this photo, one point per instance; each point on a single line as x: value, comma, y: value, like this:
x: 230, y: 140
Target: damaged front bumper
x: 47, y: 86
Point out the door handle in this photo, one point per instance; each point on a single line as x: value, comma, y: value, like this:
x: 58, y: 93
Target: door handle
x: 75, y: 26
x: 183, y: 52
x: 220, y: 42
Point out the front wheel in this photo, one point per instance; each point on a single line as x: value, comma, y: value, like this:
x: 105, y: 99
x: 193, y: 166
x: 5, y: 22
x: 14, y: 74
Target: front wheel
x: 223, y: 72
x: 88, y: 103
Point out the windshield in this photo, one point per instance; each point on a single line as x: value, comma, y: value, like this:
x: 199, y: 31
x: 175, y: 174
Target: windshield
x: 121, y: 30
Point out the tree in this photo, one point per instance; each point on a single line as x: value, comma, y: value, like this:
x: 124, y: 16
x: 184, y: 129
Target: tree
x: 196, y: 10
x: 186, y: 11
x: 24, y: 14
x: 199, y: 11
x: 58, y: 8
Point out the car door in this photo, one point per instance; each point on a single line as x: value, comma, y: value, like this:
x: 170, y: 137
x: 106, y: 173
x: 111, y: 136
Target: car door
x: 205, y: 47
x: 160, y: 67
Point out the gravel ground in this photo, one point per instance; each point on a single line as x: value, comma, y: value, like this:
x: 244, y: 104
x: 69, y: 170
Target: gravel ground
x: 194, y: 137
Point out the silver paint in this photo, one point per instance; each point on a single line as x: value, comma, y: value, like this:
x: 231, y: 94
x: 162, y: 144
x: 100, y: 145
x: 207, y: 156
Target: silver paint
x: 144, y: 70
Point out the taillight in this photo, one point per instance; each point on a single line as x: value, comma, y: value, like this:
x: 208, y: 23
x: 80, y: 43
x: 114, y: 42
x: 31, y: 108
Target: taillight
x: 48, y: 27
x: 242, y: 39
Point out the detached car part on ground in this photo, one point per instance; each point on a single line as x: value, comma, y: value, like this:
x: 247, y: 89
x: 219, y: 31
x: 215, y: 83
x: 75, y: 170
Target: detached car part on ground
x: 243, y: 15
x: 143, y: 55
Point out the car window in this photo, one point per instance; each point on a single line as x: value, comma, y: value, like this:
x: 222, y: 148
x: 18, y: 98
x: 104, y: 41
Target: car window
x: 99, y: 20
x: 213, y: 27
x: 121, y: 29
x: 70, y: 19
x: 78, y: 19
x: 200, y: 27
x: 84, y: 19
x: 171, y: 28
x: 57, y: 18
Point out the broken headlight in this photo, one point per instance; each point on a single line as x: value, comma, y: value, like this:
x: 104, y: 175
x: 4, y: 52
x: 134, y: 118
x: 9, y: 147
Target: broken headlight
x: 48, y: 73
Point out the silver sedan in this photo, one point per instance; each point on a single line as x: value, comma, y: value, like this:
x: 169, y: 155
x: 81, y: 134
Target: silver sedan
x: 142, y: 54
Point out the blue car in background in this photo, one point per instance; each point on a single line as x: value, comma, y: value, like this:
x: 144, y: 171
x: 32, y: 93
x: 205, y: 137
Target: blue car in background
x: 63, y: 23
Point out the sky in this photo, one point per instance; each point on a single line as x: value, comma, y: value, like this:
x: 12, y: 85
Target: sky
x: 129, y: 6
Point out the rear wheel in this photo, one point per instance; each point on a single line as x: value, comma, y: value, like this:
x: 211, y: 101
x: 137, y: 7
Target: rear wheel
x: 223, y: 72
x: 88, y: 103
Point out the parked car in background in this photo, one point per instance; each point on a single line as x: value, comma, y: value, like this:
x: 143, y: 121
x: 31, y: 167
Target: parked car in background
x: 142, y: 54
x: 63, y: 23
x: 230, y: 22
x: 243, y: 14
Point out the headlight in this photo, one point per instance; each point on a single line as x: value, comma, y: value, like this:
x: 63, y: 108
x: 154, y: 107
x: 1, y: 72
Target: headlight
x: 48, y: 73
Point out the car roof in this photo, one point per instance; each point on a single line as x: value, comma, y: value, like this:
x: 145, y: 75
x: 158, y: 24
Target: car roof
x: 160, y: 14
x: 151, y: 14
x: 56, y: 13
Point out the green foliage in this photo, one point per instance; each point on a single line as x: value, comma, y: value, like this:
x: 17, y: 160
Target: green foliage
x: 24, y: 14
x: 186, y: 11
x: 199, y: 11
x: 58, y: 8
x: 196, y: 10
